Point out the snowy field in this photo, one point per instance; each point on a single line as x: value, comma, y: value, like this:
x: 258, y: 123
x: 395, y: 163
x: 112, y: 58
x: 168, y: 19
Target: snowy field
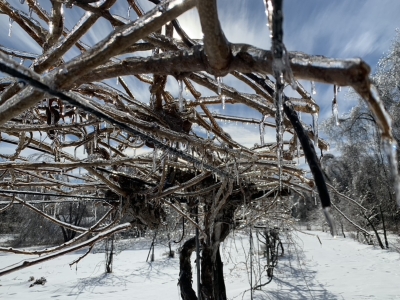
x: 338, y: 269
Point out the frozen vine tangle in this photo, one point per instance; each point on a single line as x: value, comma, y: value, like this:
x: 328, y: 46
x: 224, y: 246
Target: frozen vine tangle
x: 69, y: 128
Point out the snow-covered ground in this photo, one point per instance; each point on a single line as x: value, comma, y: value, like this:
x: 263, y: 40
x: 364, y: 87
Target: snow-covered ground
x: 338, y: 269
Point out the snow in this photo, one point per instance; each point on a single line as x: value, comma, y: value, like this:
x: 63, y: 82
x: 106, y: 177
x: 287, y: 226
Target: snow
x: 340, y: 268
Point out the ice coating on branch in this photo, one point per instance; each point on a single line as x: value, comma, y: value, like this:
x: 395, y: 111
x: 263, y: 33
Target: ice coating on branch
x: 335, y: 108
x: 313, y: 88
x: 281, y: 71
x: 315, y: 128
x: 181, y: 100
x: 378, y: 109
x: 390, y: 147
x: 10, y: 24
x: 31, y: 10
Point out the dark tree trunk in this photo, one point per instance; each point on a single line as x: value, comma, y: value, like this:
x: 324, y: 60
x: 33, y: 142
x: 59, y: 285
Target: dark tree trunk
x: 376, y: 232
x: 384, y: 227
x: 185, y: 273
x: 212, y: 274
x: 341, y: 226
x: 220, y: 276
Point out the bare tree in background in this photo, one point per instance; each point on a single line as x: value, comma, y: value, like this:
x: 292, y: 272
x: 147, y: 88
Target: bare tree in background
x: 57, y: 108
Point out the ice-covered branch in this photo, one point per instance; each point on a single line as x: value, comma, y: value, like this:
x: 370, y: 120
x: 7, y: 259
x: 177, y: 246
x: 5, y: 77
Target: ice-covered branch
x: 217, y: 47
x: 88, y: 243
x: 90, y: 230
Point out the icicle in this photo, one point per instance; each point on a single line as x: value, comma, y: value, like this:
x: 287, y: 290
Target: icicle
x: 280, y: 63
x: 21, y: 62
x: 180, y: 83
x: 75, y: 152
x: 95, y: 139
x: 76, y: 116
x: 51, y: 27
x: 315, y: 128
x: 335, y: 107
x: 223, y: 101
x: 56, y: 154
x: 262, y: 132
x: 390, y: 147
x: 279, y: 125
x: 219, y: 81
x: 298, y: 151
x: 154, y: 160
x: 335, y: 91
x: 129, y: 11
x: 188, y: 148
x: 22, y: 1
x: 107, y: 138
x: 117, y: 83
x: 10, y: 24
x: 280, y: 67
x: 314, y: 196
x: 236, y: 169
x: 30, y: 11
x: 40, y: 139
x: 313, y: 89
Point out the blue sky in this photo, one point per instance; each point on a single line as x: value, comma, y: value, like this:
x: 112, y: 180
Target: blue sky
x: 338, y: 29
